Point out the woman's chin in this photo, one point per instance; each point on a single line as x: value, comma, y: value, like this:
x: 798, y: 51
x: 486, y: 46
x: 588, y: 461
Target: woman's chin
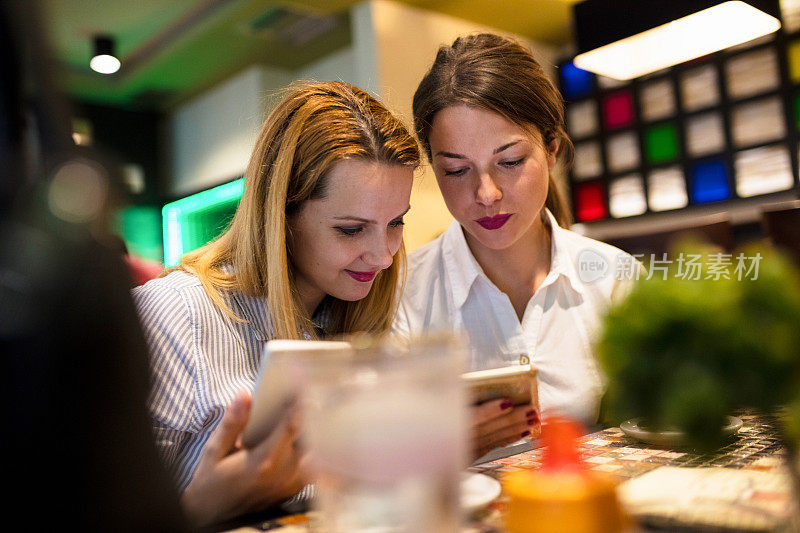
x: 355, y: 294
x: 493, y: 240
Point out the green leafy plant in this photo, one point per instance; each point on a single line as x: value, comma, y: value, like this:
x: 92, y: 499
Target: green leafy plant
x: 685, y: 353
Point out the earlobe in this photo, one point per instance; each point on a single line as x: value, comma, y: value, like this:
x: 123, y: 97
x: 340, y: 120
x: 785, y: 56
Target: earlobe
x: 552, y: 153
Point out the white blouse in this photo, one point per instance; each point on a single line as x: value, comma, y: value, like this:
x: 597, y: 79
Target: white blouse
x: 446, y: 290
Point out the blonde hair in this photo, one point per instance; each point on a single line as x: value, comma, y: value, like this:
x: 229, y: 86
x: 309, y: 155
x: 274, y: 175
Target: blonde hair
x: 312, y: 128
x: 495, y: 73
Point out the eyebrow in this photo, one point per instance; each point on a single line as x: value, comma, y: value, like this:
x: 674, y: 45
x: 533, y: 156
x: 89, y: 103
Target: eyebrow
x: 495, y: 151
x: 366, y: 220
x: 504, y: 147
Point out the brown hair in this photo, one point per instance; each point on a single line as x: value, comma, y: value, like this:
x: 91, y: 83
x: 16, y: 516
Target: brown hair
x: 499, y: 75
x: 312, y: 128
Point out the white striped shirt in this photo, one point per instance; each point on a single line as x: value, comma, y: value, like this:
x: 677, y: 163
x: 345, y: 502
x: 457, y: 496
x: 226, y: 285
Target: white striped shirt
x: 200, y: 358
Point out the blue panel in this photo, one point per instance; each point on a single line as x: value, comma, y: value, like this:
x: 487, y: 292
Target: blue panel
x: 710, y: 182
x: 575, y: 82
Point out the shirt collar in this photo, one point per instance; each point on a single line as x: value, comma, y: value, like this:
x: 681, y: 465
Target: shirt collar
x: 461, y: 266
x: 561, y: 263
x: 253, y: 309
x: 463, y: 269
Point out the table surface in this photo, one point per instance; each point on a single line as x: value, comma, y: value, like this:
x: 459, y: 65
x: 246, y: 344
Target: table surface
x: 755, y: 449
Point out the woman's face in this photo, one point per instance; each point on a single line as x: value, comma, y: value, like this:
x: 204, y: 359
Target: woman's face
x: 492, y: 173
x: 339, y: 243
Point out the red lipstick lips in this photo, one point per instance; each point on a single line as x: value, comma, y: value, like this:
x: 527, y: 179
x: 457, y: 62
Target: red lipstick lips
x: 361, y: 276
x: 495, y: 222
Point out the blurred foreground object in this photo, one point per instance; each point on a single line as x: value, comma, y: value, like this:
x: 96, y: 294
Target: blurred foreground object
x: 712, y: 498
x: 563, y: 496
x: 140, y: 270
x: 78, y: 448
x: 386, y: 430
x: 685, y: 351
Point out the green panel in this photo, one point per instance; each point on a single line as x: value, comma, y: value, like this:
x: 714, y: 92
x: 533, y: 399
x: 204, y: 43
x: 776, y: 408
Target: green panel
x: 797, y: 110
x: 191, y: 222
x: 140, y: 228
x: 661, y: 143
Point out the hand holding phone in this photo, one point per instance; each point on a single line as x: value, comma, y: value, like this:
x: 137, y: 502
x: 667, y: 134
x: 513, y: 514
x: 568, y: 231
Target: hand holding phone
x: 274, y: 386
x: 505, y: 406
x: 516, y: 383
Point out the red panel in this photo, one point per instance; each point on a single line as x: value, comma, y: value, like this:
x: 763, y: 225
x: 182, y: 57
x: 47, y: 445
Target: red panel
x: 618, y: 110
x: 590, y: 202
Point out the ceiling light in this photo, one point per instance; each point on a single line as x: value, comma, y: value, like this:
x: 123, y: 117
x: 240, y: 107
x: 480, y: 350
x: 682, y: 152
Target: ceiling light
x: 641, y: 41
x: 104, y: 61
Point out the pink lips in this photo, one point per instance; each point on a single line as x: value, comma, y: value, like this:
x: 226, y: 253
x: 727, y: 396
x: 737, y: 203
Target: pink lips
x: 495, y: 222
x: 361, y: 276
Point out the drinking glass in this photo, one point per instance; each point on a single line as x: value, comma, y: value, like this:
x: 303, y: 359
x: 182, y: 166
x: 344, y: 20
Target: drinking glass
x: 385, y: 426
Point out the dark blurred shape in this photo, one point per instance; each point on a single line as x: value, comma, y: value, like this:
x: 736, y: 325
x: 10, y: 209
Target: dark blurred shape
x: 10, y: 122
x: 782, y: 226
x: 77, y: 444
x: 715, y: 230
x: 140, y: 270
x: 103, y: 45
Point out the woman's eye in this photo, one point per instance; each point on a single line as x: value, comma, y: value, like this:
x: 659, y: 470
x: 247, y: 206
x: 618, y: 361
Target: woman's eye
x: 345, y: 230
x: 514, y: 163
x: 456, y: 172
x: 397, y: 223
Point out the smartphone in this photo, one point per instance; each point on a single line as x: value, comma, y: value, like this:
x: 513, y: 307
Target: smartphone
x: 517, y: 383
x: 274, y: 391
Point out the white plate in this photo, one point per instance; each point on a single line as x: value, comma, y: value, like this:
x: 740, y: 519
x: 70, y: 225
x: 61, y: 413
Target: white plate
x: 477, y: 491
x: 670, y: 438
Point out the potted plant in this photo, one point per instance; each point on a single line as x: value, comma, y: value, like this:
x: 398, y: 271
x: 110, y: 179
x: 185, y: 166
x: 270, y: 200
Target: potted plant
x: 685, y: 352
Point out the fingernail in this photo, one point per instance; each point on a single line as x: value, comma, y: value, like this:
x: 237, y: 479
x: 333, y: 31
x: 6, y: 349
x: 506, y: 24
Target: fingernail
x: 506, y: 404
x: 525, y: 434
x: 530, y: 413
x: 532, y: 421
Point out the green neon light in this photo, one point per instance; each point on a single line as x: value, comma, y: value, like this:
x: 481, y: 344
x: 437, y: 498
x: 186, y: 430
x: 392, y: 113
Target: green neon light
x: 173, y: 247
x: 140, y: 226
x: 192, y: 221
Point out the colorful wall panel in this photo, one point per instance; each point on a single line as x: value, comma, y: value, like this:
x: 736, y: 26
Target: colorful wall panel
x: 716, y: 129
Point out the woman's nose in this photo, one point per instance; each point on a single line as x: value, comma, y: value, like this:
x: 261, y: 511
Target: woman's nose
x: 488, y: 192
x: 379, y: 254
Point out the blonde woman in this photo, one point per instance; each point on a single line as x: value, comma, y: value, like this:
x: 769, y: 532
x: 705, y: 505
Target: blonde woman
x: 315, y: 249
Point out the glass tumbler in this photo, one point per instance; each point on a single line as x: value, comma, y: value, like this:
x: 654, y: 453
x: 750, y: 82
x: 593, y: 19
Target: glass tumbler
x: 385, y: 426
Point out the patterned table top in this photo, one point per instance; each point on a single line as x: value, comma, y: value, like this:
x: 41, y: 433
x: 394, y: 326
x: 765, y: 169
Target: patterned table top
x: 755, y: 448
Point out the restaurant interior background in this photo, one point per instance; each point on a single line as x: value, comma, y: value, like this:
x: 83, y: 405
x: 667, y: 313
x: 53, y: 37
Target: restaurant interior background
x: 707, y: 143
x: 711, y: 143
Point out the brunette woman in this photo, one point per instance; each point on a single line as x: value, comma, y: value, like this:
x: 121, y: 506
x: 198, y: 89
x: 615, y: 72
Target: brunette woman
x: 506, y: 272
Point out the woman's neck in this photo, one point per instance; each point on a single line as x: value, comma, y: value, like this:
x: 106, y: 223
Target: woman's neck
x: 521, y: 268
x: 309, y: 297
